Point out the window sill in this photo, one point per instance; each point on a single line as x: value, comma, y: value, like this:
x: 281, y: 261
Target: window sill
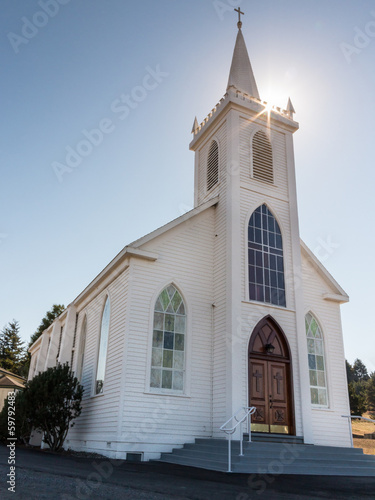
x: 97, y: 395
x: 266, y: 304
x: 321, y: 408
x: 169, y: 394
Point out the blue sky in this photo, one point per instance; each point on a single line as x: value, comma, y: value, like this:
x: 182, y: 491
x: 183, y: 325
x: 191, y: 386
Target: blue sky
x: 66, y: 76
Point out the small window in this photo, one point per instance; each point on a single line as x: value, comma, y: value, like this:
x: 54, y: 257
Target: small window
x: 103, y: 345
x: 262, y: 158
x: 168, y: 341
x: 213, y: 166
x: 315, y: 349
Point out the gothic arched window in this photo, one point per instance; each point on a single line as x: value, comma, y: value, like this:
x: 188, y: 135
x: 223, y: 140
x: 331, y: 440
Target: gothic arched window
x: 103, y: 346
x: 168, y: 341
x: 262, y: 158
x: 213, y: 165
x: 266, y: 262
x: 315, y: 349
x: 81, y: 349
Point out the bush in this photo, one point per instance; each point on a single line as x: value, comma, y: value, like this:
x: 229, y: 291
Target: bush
x: 53, y: 401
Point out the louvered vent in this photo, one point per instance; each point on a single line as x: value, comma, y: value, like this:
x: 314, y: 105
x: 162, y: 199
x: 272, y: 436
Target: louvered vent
x: 213, y: 166
x: 262, y: 158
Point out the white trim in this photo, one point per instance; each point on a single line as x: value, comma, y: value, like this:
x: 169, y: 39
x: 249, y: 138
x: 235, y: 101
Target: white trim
x: 176, y: 222
x: 322, y: 271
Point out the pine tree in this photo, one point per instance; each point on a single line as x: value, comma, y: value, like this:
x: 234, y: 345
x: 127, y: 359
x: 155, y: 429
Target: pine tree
x: 360, y: 371
x: 12, y: 350
x: 50, y: 316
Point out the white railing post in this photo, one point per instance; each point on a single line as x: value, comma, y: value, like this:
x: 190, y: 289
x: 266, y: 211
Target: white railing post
x: 230, y: 453
x: 229, y: 431
x: 241, y: 442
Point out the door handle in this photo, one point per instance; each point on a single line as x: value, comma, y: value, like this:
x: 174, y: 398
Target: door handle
x: 271, y: 401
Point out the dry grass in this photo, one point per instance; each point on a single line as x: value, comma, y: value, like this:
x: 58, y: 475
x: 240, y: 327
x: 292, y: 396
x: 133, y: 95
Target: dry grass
x: 361, y: 427
x: 367, y: 445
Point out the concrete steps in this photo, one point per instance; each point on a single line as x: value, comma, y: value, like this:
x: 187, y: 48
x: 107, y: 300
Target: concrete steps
x: 286, y: 457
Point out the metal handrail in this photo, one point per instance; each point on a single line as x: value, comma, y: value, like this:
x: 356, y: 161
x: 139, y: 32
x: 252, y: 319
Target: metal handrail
x: 350, y: 418
x: 229, y: 431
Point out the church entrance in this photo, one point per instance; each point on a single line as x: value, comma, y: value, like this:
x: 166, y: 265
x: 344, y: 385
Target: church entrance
x: 270, y: 379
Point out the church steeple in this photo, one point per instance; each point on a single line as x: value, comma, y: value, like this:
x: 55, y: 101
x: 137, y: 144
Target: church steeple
x: 241, y: 74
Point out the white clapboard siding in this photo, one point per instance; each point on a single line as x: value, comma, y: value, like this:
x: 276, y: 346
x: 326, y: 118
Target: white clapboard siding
x: 184, y: 258
x: 328, y: 426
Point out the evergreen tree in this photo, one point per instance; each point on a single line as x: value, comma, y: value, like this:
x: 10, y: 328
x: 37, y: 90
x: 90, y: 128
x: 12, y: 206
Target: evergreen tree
x: 357, y: 397
x: 50, y: 316
x: 349, y: 372
x: 12, y: 350
x: 360, y: 371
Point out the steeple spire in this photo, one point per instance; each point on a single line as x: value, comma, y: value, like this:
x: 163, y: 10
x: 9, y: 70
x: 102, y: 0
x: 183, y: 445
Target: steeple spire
x: 241, y: 74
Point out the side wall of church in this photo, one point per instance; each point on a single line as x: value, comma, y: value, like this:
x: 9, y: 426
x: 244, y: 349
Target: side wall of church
x: 151, y: 421
x: 329, y: 427
x: 96, y: 428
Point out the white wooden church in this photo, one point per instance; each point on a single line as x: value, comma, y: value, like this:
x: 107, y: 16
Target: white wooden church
x: 222, y: 308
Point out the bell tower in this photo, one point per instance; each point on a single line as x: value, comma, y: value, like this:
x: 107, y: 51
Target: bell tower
x: 244, y: 157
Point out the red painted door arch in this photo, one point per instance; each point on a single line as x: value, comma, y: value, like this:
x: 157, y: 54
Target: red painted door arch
x: 270, y: 379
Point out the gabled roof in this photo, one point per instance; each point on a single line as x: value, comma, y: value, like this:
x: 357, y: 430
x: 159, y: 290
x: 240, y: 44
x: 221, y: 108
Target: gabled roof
x: 339, y: 294
x: 241, y: 74
x: 176, y: 222
x: 9, y: 379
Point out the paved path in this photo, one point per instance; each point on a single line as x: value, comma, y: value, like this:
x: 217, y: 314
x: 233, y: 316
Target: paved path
x: 43, y: 475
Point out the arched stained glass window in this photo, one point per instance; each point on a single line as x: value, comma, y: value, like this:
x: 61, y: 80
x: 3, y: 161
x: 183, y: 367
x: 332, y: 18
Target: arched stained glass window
x: 315, y: 349
x: 213, y: 165
x: 168, y: 341
x: 103, y: 345
x: 81, y: 351
x: 266, y: 262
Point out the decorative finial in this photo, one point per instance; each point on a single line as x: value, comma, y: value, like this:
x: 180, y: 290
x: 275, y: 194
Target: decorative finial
x: 290, y: 109
x: 195, y: 126
x: 239, y: 24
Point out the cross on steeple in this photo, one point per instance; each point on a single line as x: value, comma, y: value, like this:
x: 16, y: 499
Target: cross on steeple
x: 239, y: 24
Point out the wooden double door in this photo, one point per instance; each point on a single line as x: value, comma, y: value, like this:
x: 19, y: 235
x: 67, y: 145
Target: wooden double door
x: 270, y: 384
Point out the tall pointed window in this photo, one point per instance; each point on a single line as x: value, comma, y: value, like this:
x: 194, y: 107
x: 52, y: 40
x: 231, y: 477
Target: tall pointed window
x: 266, y: 262
x: 81, y: 350
x: 213, y: 165
x: 168, y: 341
x: 315, y: 349
x: 103, y: 345
x: 262, y: 158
